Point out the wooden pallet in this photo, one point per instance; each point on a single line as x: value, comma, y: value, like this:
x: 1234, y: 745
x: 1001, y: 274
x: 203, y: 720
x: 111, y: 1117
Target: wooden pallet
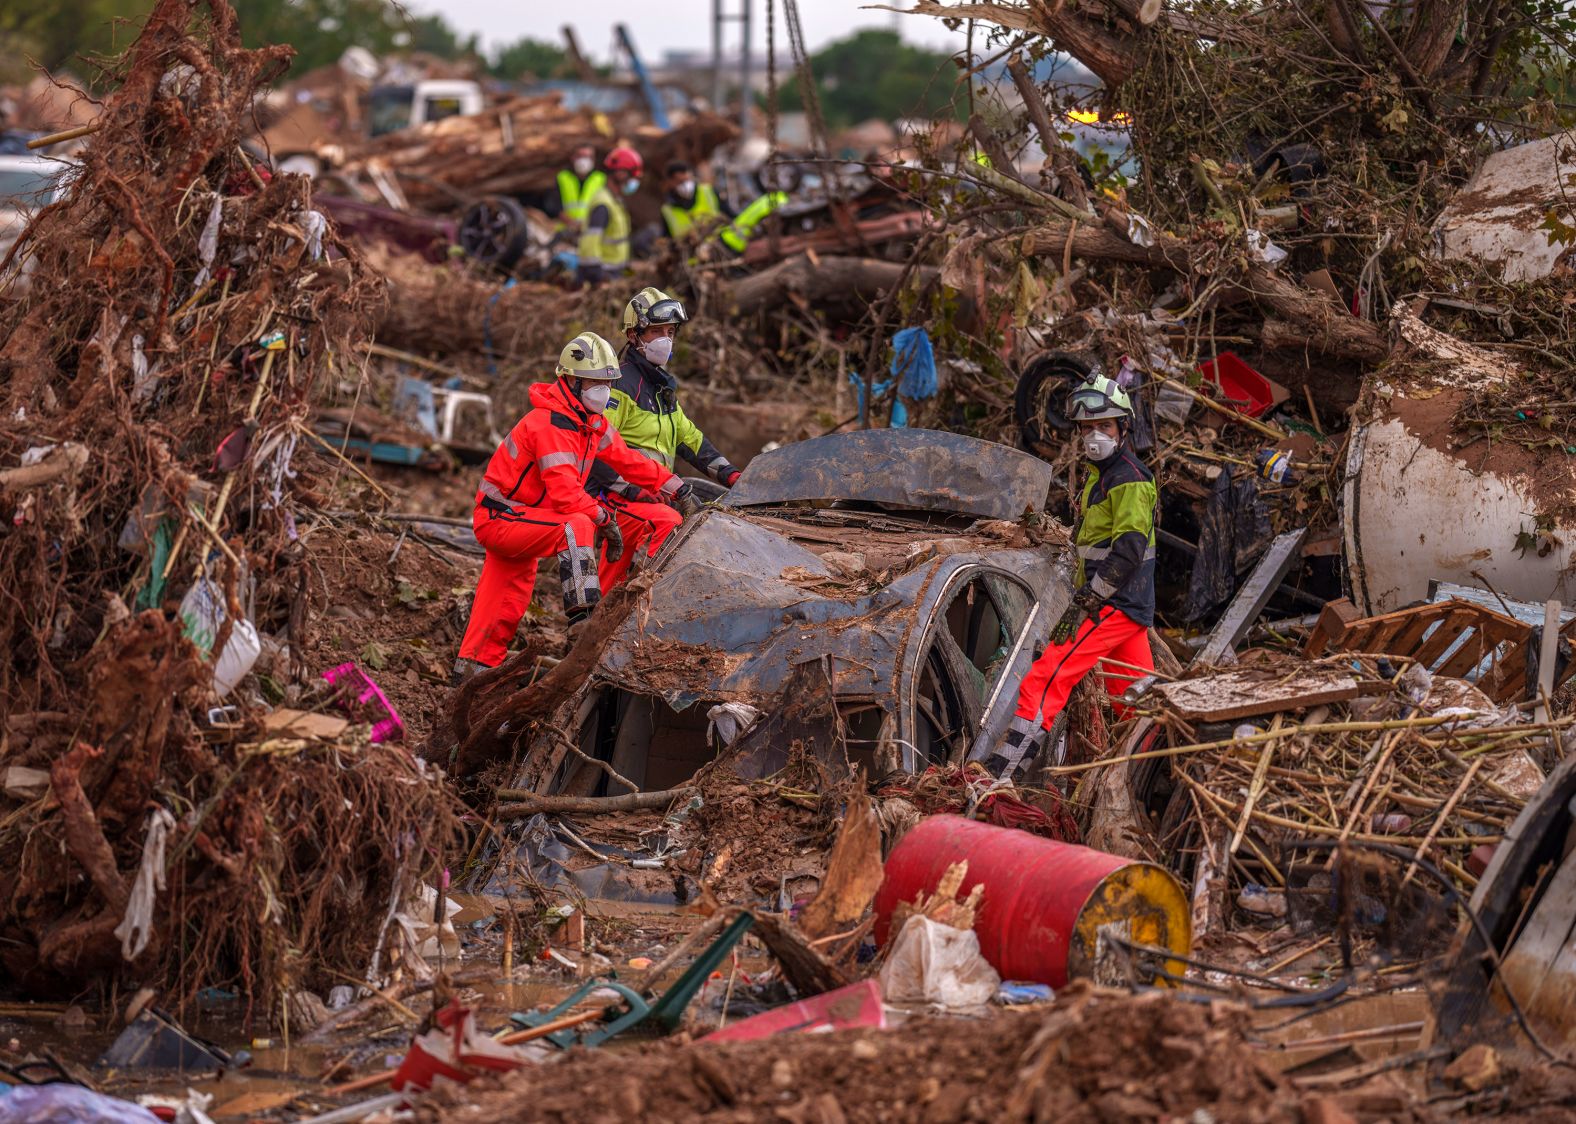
x: 1449, y: 638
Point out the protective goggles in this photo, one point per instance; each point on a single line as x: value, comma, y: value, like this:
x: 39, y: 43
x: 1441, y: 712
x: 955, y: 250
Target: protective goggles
x: 666, y: 312
x: 1089, y: 404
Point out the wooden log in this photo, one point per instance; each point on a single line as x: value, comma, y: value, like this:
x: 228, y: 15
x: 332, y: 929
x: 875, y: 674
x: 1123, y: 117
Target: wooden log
x: 1144, y: 13
x: 834, y: 281
x: 525, y: 803
x: 1069, y: 183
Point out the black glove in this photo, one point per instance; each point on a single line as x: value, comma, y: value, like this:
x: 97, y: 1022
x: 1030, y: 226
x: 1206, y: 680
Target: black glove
x: 609, y: 534
x: 688, y: 503
x: 1084, y: 605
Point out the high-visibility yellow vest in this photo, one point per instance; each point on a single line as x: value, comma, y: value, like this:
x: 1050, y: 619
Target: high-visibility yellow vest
x: 573, y: 194
x: 609, y: 247
x: 737, y: 234
x: 703, y: 210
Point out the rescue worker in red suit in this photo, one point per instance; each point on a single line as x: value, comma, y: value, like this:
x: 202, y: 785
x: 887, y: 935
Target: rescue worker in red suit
x: 532, y: 502
x: 1107, y: 623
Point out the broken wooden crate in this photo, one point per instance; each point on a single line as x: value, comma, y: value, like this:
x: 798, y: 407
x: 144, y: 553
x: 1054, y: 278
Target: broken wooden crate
x: 1453, y: 638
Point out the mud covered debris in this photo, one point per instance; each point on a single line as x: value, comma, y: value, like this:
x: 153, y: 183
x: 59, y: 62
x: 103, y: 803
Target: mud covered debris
x: 1093, y: 1059
x: 184, y: 308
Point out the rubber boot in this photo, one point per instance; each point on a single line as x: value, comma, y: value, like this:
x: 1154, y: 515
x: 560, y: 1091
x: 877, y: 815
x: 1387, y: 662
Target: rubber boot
x: 577, y: 573
x: 1018, y: 747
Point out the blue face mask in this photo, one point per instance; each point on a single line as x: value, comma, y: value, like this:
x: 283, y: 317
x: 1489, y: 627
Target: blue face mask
x: 631, y: 186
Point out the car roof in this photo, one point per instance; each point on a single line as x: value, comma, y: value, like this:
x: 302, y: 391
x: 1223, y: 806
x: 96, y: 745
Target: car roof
x: 913, y: 469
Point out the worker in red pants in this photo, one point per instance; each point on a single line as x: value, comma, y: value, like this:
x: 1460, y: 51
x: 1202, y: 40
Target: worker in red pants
x: 644, y: 526
x: 1114, y: 602
x: 532, y: 502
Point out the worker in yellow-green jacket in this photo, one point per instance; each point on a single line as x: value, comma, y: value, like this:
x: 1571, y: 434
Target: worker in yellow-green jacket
x: 691, y: 207
x: 604, y: 238
x: 746, y: 224
x: 576, y: 184
x: 645, y: 410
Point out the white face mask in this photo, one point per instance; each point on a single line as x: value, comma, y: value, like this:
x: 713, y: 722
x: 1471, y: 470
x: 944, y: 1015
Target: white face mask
x: 659, y: 350
x: 595, y: 397
x: 583, y: 166
x: 1098, y: 446
x: 685, y: 190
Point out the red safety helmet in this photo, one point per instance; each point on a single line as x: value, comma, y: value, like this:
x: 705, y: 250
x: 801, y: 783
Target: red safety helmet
x: 624, y: 160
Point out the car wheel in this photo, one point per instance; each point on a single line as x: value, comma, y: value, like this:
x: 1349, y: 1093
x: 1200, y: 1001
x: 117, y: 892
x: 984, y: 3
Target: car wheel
x: 494, y: 231
x: 1041, y: 397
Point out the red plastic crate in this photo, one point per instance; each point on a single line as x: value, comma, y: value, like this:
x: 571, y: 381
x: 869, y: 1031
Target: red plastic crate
x: 1241, y: 387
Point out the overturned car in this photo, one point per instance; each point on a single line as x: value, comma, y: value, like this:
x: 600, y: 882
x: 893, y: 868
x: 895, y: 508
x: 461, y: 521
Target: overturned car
x: 873, y: 596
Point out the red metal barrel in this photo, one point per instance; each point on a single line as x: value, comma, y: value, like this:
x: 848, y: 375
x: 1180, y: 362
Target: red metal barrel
x: 1045, y: 903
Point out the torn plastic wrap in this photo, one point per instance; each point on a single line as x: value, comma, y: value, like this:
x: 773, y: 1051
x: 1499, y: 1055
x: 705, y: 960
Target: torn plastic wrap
x: 1233, y: 531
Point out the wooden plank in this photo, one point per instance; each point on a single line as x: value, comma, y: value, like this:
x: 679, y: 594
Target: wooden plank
x: 1385, y: 630
x: 1510, y: 676
x: 1245, y: 692
x: 1250, y: 600
x: 1548, y: 652
x: 1334, y: 620
x: 1407, y: 640
x: 1443, y: 637
x: 1471, y: 653
x: 1534, y: 968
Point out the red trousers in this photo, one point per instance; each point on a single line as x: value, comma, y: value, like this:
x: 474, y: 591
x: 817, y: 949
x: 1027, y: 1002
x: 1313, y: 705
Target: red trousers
x: 643, y: 524
x: 515, y: 543
x: 1051, y: 680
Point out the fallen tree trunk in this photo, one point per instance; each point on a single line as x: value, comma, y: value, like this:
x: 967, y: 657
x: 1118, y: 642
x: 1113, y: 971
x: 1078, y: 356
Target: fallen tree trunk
x: 1063, y: 161
x: 823, y: 281
x: 1348, y: 341
x: 514, y: 148
x: 1326, y: 325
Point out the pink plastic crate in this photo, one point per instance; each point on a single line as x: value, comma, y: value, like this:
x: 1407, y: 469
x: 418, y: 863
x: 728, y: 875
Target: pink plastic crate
x: 364, y: 701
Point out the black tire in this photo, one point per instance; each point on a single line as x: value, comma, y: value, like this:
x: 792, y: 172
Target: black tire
x: 1041, y: 395
x: 494, y: 231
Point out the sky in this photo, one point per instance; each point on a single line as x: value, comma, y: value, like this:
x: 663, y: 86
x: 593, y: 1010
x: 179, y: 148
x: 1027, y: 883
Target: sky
x: 661, y: 25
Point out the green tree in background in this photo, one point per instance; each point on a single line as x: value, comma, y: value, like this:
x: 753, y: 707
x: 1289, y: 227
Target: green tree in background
x: 873, y: 73
x: 56, y: 33
x: 530, y: 58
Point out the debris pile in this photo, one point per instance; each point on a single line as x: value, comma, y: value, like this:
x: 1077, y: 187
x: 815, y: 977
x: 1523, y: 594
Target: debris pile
x: 511, y: 148
x: 1093, y: 1058
x: 1234, y: 770
x: 185, y: 309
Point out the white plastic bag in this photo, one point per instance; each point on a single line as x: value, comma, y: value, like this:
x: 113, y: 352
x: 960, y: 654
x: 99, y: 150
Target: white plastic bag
x: 731, y: 721
x: 240, y: 653
x: 202, y: 613
x: 937, y: 964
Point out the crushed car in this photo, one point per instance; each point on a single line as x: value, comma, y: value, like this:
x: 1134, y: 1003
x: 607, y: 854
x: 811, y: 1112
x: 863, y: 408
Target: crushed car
x: 874, y: 596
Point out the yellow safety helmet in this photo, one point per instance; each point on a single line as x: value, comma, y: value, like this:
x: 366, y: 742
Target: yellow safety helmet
x: 588, y: 356
x: 652, y: 306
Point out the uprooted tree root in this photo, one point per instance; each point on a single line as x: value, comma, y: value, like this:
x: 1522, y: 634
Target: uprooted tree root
x: 179, y: 315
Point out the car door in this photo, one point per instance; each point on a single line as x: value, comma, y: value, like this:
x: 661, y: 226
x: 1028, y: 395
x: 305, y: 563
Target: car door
x: 973, y: 636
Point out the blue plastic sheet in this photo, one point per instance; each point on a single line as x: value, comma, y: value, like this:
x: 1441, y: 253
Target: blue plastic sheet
x: 914, y: 364
x: 67, y: 1104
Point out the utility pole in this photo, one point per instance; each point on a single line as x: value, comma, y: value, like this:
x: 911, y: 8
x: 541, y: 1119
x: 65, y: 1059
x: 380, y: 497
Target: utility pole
x: 716, y: 55
x: 719, y: 17
x: 746, y: 95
